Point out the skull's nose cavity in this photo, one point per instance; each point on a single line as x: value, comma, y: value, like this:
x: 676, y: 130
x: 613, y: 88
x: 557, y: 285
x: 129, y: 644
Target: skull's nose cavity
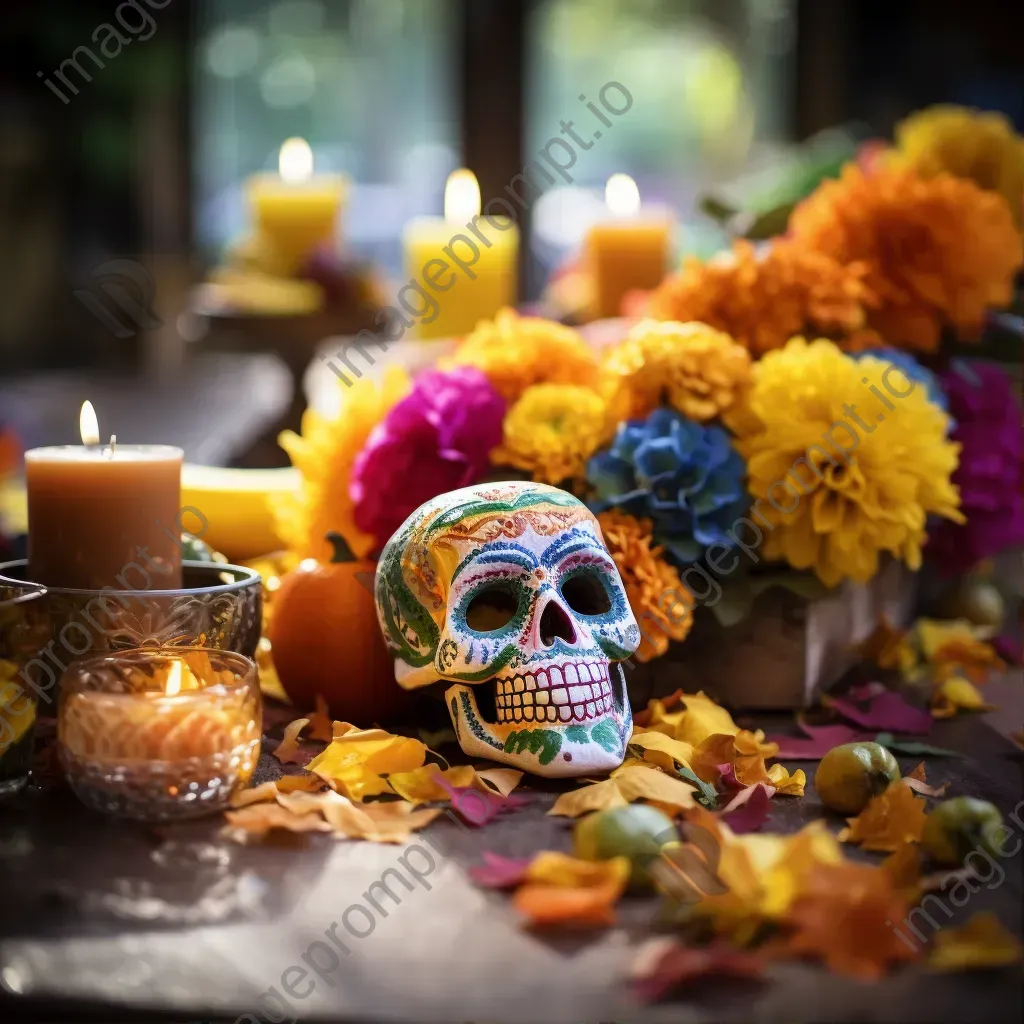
x: 555, y: 623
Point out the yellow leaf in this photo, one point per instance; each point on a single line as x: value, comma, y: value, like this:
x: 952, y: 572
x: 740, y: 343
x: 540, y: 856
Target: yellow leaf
x: 421, y: 786
x: 356, y: 759
x: 391, y: 822
x: 890, y: 819
x: 660, y: 749
x: 626, y: 784
x: 703, y: 718
x: 786, y: 784
x: 504, y: 780
x: 982, y: 942
x: 554, y: 868
x: 597, y: 797
x: 933, y: 634
x: 288, y: 749
x: 957, y: 693
x: 269, y: 790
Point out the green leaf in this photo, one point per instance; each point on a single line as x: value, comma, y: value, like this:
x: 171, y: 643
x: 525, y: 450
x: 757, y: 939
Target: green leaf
x: 887, y: 740
x: 716, y: 208
x: 577, y: 733
x: 607, y: 735
x: 706, y: 793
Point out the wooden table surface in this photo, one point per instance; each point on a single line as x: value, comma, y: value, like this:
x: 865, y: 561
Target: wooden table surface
x: 105, y: 921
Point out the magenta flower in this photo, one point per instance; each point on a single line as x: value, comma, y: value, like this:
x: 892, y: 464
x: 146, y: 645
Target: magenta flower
x: 436, y: 439
x: 988, y: 421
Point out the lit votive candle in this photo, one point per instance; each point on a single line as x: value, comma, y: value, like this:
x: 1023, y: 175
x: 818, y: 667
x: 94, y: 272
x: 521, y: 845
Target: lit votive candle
x: 469, y: 262
x: 159, y: 733
x: 104, y: 515
x: 295, y: 210
x: 627, y: 252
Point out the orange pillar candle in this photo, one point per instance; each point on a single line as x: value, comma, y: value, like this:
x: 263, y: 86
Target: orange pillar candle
x: 628, y: 252
x: 104, y: 516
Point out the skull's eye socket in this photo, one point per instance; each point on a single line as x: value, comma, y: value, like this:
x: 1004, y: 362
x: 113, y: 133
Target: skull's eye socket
x: 491, y: 608
x: 586, y: 593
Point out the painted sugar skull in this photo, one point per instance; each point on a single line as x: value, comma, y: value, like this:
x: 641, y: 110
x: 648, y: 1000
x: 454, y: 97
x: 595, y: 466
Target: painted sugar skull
x: 507, y: 591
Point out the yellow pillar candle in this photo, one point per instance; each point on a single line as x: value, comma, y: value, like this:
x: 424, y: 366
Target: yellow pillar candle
x: 295, y: 210
x: 468, y: 263
x: 628, y: 252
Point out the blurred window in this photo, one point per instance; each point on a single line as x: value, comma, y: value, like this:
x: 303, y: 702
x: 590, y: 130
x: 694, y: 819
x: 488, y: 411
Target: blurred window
x: 370, y: 84
x: 710, y: 83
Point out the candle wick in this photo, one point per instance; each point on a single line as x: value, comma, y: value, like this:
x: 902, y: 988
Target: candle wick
x: 112, y: 447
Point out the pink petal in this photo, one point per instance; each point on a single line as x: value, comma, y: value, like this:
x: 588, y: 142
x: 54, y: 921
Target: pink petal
x: 749, y: 809
x: 477, y: 808
x: 727, y: 777
x: 499, y: 872
x: 887, y: 711
x: 820, y: 740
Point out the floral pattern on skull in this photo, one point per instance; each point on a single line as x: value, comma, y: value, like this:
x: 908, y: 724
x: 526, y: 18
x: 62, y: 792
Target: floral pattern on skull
x: 506, y: 591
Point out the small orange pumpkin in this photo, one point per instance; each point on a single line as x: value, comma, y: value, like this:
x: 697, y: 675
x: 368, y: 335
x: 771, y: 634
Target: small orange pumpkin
x: 325, y: 639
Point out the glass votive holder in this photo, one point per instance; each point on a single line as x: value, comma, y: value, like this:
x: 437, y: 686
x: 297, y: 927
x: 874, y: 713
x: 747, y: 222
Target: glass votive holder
x: 24, y: 629
x: 159, y: 733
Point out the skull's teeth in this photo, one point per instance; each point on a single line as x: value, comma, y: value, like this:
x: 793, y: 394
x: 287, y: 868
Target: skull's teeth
x: 556, y: 695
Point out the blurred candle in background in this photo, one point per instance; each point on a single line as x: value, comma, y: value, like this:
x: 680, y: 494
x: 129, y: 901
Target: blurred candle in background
x: 104, y: 516
x: 296, y: 211
x: 629, y: 251
x: 467, y: 263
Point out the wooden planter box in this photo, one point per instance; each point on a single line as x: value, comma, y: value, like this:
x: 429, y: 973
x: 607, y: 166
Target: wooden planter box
x: 785, y: 652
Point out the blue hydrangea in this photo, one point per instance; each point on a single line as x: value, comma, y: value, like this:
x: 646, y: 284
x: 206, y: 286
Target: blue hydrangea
x: 687, y: 478
x: 913, y: 370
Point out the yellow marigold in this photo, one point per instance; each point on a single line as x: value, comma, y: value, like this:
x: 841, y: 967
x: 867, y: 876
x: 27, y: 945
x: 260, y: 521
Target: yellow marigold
x: 699, y: 370
x: 966, y: 143
x: 324, y: 453
x: 762, y: 298
x: 660, y: 601
x: 515, y: 352
x: 552, y: 430
x: 835, y: 511
x: 940, y: 251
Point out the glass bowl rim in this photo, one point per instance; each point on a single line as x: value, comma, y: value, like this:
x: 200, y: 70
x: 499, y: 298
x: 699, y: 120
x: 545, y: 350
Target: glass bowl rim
x: 70, y: 680
x: 29, y: 592
x: 245, y: 578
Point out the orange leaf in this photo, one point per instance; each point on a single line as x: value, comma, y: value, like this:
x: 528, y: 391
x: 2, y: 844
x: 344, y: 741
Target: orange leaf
x: 543, y: 904
x: 320, y: 722
x: 269, y: 790
x: 259, y: 819
x: 890, y: 819
x: 288, y: 749
x: 843, y: 916
x: 916, y: 781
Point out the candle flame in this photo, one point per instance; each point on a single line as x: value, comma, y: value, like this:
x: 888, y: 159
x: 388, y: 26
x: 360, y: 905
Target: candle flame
x: 461, y: 197
x: 295, y: 161
x: 173, y: 687
x: 622, y: 195
x: 88, y: 425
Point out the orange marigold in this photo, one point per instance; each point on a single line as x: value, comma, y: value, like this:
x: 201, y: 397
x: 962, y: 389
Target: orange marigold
x: 701, y: 371
x: 940, y: 250
x: 763, y: 298
x: 660, y: 600
x: 515, y: 352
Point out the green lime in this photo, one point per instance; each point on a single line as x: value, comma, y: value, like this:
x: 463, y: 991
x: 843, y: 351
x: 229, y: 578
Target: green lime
x: 636, y: 831
x: 849, y: 775
x: 957, y: 826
